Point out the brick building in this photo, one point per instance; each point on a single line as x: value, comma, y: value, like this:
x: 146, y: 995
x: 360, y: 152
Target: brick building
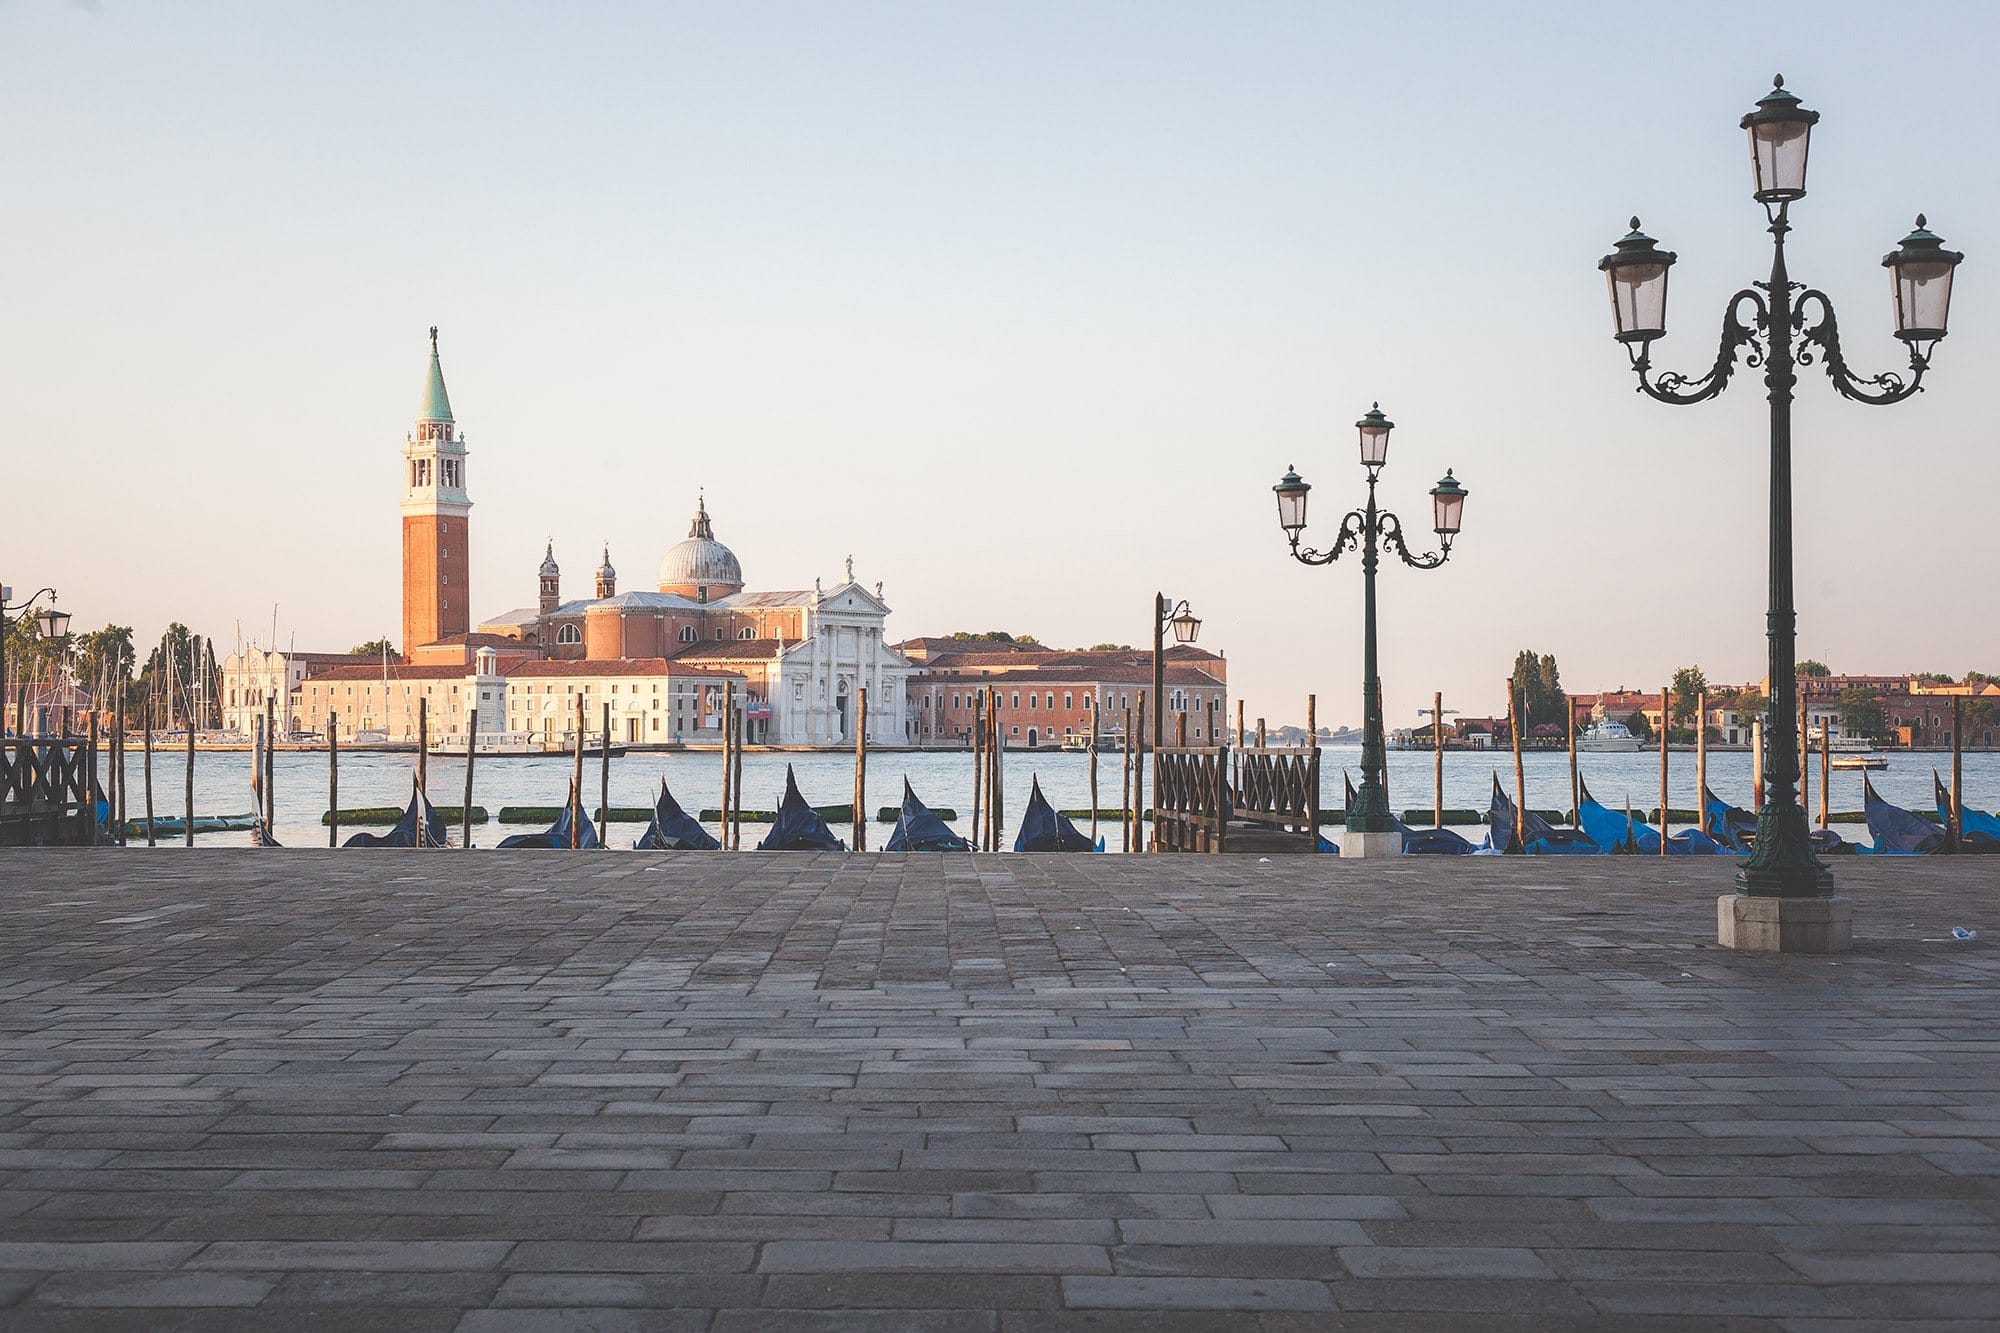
x: 1047, y: 695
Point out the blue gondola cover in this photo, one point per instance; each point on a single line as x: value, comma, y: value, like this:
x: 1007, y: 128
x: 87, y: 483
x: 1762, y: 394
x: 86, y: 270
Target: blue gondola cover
x: 1979, y: 833
x: 420, y: 821
x: 674, y: 829
x: 1043, y: 830
x: 798, y: 827
x: 1896, y: 831
x: 1538, y: 836
x: 919, y: 830
x: 556, y: 836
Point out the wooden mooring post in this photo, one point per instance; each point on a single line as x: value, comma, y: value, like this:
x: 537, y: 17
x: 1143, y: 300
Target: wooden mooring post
x: 1520, y: 776
x: 1125, y: 801
x: 333, y: 777
x: 604, y: 784
x: 1701, y: 760
x: 1957, y: 772
x: 1756, y: 767
x: 1826, y: 771
x: 739, y: 735
x: 465, y: 802
x: 1139, y: 779
x: 978, y: 770
x: 1575, y: 777
x: 1805, y: 754
x: 1093, y: 764
x: 118, y: 765
x: 727, y: 723
x: 90, y: 785
x: 861, y: 769
x: 576, y: 777
x: 146, y: 772
x: 190, y: 773
x: 270, y: 765
x: 1437, y: 758
x: 1666, y: 730
x: 423, y: 749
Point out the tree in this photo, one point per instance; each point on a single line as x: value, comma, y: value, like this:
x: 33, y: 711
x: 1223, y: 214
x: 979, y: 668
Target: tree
x: 1109, y: 648
x: 374, y: 648
x: 1639, y: 726
x: 1538, y: 687
x: 102, y: 662
x: 1813, y: 667
x: 993, y: 636
x: 1689, y: 681
x: 1749, y: 707
x: 1860, y: 712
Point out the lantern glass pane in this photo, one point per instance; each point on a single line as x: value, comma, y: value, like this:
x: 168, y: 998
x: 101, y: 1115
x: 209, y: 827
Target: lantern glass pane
x: 1778, y: 157
x: 1374, y: 445
x: 1186, y: 627
x: 1292, y: 509
x: 1450, y: 512
x: 1639, y: 300
x: 1923, y: 298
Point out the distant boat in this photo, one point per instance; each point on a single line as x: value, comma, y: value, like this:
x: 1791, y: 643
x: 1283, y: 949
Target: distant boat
x: 1858, y: 763
x: 1608, y: 738
x: 1108, y: 742
x: 674, y: 829
x: 919, y: 830
x: 798, y: 827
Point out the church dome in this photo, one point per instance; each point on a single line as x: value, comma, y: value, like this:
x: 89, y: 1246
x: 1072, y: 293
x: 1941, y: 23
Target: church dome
x: 549, y: 567
x: 701, y: 562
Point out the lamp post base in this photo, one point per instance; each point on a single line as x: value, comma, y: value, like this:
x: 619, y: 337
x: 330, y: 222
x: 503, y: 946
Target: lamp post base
x: 1760, y: 924
x: 1355, y: 843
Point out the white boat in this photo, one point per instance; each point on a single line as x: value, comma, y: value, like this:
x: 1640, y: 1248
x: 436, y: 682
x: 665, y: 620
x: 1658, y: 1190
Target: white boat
x: 1851, y: 745
x: 1608, y: 737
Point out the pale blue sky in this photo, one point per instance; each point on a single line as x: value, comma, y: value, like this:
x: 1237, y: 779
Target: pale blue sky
x: 1024, y: 305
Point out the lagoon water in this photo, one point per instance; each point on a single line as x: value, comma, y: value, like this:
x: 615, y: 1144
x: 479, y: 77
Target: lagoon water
x: 944, y: 779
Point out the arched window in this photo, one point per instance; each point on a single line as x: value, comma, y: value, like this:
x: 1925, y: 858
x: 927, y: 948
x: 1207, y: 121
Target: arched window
x: 687, y: 633
x: 746, y: 633
x: 569, y: 634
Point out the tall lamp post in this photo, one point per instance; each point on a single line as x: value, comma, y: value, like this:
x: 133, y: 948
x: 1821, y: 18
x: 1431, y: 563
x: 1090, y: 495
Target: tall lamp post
x: 1167, y: 614
x: 55, y: 625
x: 1783, y: 324
x: 1372, y: 829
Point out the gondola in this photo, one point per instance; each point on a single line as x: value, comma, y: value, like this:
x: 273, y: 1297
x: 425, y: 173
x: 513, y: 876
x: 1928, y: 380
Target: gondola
x: 1043, y: 830
x: 1623, y: 833
x: 798, y: 827
x: 674, y: 829
x: 1897, y: 832
x: 570, y: 832
x: 919, y: 830
x: 1735, y: 829
x: 1536, y: 836
x: 1416, y: 841
x: 421, y: 825
x: 1978, y: 833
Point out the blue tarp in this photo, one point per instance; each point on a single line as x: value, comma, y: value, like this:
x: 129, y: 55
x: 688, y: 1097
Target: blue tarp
x: 798, y: 827
x: 1623, y: 832
x: 556, y: 836
x: 1896, y: 831
x: 1734, y: 829
x: 421, y: 815
x: 1979, y: 833
x: 674, y: 829
x: 918, y: 830
x: 1540, y: 837
x: 1043, y: 830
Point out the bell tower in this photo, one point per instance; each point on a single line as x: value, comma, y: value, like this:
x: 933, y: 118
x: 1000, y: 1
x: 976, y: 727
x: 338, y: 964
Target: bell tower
x: 437, y: 590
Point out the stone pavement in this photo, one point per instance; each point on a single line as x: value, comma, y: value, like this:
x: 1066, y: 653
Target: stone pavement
x: 491, y: 1091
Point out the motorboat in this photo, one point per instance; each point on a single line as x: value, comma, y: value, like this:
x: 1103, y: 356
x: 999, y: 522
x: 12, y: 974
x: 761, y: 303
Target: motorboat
x: 1608, y: 738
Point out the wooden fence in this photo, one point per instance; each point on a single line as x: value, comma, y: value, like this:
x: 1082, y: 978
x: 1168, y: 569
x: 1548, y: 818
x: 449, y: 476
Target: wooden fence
x: 1268, y: 791
x: 1192, y: 811
x: 1277, y: 789
x: 47, y: 793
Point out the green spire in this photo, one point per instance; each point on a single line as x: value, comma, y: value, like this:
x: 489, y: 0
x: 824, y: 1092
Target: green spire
x: 437, y: 404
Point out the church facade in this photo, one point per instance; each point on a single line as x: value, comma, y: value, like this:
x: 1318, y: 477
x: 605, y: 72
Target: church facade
x: 806, y: 656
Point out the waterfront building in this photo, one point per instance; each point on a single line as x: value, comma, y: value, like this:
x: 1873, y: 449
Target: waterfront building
x: 1046, y: 695
x: 252, y: 675
x: 653, y: 700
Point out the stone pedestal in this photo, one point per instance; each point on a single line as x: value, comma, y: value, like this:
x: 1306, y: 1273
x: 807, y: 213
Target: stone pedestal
x: 1371, y: 844
x: 1783, y: 925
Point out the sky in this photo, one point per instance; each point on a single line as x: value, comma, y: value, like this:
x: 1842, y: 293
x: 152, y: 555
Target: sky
x: 1025, y: 306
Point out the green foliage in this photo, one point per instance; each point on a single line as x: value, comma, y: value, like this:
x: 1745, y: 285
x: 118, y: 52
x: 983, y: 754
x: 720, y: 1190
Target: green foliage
x: 1639, y: 726
x: 102, y: 661
x: 1689, y: 681
x: 992, y: 636
x: 1860, y: 712
x: 1109, y: 648
x: 1749, y: 706
x: 374, y: 648
x: 1813, y: 667
x: 1538, y: 686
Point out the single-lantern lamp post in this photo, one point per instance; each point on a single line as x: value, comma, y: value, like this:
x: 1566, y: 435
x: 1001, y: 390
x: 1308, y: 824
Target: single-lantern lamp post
x: 1186, y: 625
x: 1371, y: 831
x: 1784, y: 325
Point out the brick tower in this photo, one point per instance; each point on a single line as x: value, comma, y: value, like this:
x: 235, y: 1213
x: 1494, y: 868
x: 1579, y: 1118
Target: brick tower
x: 437, y: 593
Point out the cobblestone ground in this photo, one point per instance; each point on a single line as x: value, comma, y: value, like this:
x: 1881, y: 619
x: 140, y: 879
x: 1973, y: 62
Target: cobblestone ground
x: 302, y: 1090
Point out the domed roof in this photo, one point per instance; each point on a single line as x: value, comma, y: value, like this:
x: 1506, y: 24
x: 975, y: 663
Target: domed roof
x: 701, y: 560
x: 549, y: 569
x: 605, y: 571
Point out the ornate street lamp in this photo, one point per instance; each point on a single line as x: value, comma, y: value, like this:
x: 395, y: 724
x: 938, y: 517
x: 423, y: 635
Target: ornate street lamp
x: 10, y: 607
x: 1784, y: 325
x: 1186, y: 625
x: 1372, y: 829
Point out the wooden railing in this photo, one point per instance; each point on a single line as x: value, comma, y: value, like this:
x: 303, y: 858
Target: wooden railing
x: 1278, y: 787
x: 47, y: 793
x: 1191, y: 813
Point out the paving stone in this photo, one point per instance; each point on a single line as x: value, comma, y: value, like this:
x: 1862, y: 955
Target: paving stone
x: 809, y: 1091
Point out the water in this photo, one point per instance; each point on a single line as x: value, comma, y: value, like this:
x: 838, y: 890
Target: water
x: 944, y: 780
